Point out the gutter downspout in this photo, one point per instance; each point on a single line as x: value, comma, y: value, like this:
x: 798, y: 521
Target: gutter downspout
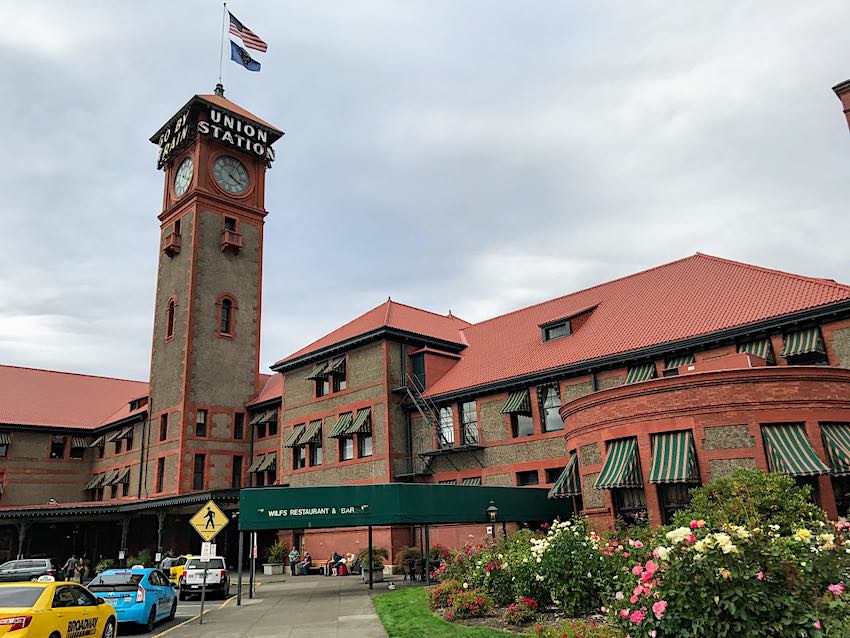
x: 251, y: 452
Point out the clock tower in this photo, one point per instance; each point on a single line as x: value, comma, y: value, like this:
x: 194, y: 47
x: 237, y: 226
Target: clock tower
x: 205, y: 356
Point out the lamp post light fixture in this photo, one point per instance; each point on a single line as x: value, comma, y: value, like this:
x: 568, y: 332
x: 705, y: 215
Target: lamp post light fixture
x: 492, y: 515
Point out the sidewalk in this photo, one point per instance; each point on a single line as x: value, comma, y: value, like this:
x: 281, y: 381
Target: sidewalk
x: 294, y: 607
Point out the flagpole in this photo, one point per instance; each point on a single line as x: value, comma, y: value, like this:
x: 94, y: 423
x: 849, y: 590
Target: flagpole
x: 221, y: 46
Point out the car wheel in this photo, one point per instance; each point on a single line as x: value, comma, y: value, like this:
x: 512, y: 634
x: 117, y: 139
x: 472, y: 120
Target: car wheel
x: 151, y: 620
x: 109, y: 629
x: 173, y: 610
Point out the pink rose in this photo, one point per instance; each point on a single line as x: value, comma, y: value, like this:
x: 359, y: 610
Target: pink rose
x: 836, y: 590
x: 638, y: 590
x: 651, y: 566
x: 624, y: 613
x: 619, y: 595
x: 633, y: 599
x: 760, y: 575
x: 645, y: 577
x: 637, y: 616
x: 625, y: 554
x: 658, y: 608
x: 653, y: 633
x: 637, y: 570
x: 817, y: 624
x: 697, y: 524
x: 638, y: 544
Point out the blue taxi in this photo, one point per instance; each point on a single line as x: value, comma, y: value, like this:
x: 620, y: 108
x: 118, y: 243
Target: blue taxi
x: 140, y: 595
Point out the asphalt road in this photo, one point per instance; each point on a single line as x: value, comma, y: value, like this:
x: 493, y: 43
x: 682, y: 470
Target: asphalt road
x: 185, y: 610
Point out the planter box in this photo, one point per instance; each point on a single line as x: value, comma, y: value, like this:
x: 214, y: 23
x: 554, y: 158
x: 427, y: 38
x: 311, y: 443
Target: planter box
x: 389, y: 570
x: 377, y: 576
x: 272, y: 569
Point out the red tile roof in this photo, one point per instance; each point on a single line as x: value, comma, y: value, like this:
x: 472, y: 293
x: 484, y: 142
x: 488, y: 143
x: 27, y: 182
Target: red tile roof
x: 694, y: 296
x: 46, y: 397
x: 273, y: 389
x: 391, y: 314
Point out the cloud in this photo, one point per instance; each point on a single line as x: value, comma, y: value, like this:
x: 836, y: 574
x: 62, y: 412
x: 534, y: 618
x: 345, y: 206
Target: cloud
x: 478, y: 156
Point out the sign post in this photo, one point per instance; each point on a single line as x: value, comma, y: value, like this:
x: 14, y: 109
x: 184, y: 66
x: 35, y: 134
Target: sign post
x: 208, y: 522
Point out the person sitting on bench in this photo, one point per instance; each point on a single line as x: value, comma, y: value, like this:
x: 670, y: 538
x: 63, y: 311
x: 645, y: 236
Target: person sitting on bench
x: 305, y: 563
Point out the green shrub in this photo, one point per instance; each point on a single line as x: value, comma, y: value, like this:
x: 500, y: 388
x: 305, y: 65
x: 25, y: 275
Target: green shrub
x: 753, y: 498
x: 521, y: 611
x: 406, y: 553
x: 277, y: 554
x: 469, y: 603
x: 379, y: 555
x: 143, y: 557
x: 103, y: 565
x: 441, y: 594
x: 576, y: 629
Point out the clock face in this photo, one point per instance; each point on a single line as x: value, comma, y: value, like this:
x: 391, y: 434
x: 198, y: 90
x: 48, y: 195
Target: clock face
x: 183, y: 177
x: 230, y: 174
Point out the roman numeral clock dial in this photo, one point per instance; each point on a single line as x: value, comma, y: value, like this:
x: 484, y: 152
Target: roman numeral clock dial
x: 230, y: 174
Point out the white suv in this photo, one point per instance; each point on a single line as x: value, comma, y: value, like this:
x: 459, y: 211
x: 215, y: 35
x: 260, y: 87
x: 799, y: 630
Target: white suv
x: 218, y: 578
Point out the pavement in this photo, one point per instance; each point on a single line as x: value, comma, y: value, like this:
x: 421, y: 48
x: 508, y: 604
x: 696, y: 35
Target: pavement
x: 292, y: 607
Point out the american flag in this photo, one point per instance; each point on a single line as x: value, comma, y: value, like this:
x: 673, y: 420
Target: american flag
x: 251, y: 39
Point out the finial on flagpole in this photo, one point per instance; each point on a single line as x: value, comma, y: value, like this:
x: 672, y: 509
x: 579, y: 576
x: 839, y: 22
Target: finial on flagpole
x: 219, y: 89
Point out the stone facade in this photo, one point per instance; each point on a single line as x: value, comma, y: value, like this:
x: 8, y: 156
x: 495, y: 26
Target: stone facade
x: 722, y: 467
x: 498, y: 479
x: 841, y: 347
x: 728, y: 437
x: 591, y: 497
x: 492, y: 423
x: 589, y: 455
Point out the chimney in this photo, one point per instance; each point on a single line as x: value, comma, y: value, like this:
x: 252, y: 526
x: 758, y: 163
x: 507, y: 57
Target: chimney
x: 843, y: 92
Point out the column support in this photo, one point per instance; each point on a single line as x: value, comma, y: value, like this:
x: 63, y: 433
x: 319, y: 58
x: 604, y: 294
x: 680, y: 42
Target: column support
x: 23, y: 527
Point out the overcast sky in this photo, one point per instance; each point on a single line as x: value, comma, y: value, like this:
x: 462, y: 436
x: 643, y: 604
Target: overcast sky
x: 476, y: 156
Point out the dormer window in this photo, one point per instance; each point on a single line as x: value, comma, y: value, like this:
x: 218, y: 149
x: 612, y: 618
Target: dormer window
x: 556, y: 330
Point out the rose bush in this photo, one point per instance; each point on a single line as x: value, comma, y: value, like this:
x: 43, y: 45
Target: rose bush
x: 521, y: 611
x: 441, y: 595
x: 469, y: 603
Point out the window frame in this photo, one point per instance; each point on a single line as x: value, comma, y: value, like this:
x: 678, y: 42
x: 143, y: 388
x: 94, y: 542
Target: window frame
x: 544, y: 409
x: 160, y: 475
x: 527, y: 474
x: 362, y: 440
x: 546, y: 330
x: 54, y: 452
x: 163, y: 427
x: 465, y: 425
x: 236, y: 476
x: 322, y: 386
x: 170, y: 318
x: 196, y: 472
x: 515, y: 425
x: 226, y: 311
x: 344, y: 442
x: 239, y: 422
x: 299, y: 457
x: 445, y: 421
x: 201, y: 423
x: 316, y: 454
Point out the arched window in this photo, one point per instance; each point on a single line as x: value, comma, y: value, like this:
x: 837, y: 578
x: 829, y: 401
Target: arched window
x: 226, y: 312
x: 169, y: 319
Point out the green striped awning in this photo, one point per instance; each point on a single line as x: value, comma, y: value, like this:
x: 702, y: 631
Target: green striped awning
x: 123, y: 477
x: 622, y: 467
x: 256, y: 464
x: 447, y: 482
x: 337, y: 366
x: 518, y: 403
x: 292, y: 439
x: 759, y: 348
x: 472, y: 481
x: 803, y: 342
x: 362, y: 422
x: 5, y: 438
x: 78, y: 442
x: 568, y: 484
x: 836, y: 442
x: 312, y: 433
x: 643, y: 372
x: 678, y: 362
x: 93, y: 482
x: 674, y: 458
x: 789, y: 450
x: 319, y: 371
x: 342, y: 424
x: 269, y: 462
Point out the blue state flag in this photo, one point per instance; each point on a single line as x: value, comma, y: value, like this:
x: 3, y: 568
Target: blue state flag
x: 240, y: 56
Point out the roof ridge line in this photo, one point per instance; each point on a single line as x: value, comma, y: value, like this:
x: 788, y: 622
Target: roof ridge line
x: 775, y: 271
x: 430, y: 312
x: 588, y: 288
x: 76, y: 374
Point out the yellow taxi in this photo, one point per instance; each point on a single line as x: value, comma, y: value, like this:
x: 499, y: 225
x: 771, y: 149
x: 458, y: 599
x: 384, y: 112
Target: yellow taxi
x: 53, y: 610
x: 175, y: 571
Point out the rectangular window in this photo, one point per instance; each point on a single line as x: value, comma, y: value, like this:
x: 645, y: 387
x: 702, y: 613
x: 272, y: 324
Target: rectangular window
x: 177, y: 227
x: 346, y: 448
x: 273, y: 427
x: 114, y: 491
x: 550, y: 402
x: 239, y: 426
x: 261, y: 430
x: 339, y: 381
x: 630, y: 505
x: 553, y: 473
x: 160, y: 473
x: 447, y: 428
x: 125, y: 488
x: 522, y: 425
x: 469, y: 423
x: 236, y: 473
x: 57, y: 447
x: 77, y: 452
x: 198, y: 472
x: 4, y: 449
x: 201, y: 423
x: 118, y: 446
x: 531, y: 477
x: 129, y: 438
x: 270, y: 477
x: 323, y: 387
x: 163, y: 427
x: 101, y: 450
x: 261, y: 479
x: 418, y: 363
x: 315, y: 454
x: 230, y: 224
x: 674, y: 497
x: 364, y: 444
x: 299, y: 457
x: 557, y: 330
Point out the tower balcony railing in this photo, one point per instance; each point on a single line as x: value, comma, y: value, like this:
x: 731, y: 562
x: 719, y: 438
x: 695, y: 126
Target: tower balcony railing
x: 172, y: 243
x: 231, y: 240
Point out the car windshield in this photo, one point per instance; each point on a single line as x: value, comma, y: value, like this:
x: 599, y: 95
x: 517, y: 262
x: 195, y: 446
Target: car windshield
x: 8, y: 565
x: 214, y: 563
x: 19, y: 596
x: 116, y: 581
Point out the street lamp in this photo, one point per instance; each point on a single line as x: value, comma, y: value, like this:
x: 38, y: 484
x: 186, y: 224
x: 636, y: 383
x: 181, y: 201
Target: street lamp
x: 492, y: 514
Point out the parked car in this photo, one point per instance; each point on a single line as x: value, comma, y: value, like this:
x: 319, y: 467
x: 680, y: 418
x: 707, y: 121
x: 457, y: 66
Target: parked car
x: 38, y: 610
x: 139, y: 595
x: 176, y: 569
x: 218, y: 578
x: 26, y: 569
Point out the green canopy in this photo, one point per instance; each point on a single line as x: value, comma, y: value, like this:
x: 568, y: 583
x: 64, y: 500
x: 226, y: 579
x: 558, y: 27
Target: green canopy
x: 312, y: 433
x: 292, y: 439
x: 836, y: 442
x: 678, y: 362
x: 789, y: 450
x: 622, y: 467
x: 642, y: 372
x: 568, y: 483
x: 803, y: 342
x: 758, y: 348
x: 518, y: 403
x: 674, y: 458
x: 342, y: 424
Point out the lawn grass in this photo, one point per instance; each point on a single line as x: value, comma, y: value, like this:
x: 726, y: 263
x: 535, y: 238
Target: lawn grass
x: 405, y: 614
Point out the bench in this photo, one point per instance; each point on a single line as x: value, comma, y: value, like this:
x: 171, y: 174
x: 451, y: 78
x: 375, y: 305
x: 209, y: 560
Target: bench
x: 317, y: 567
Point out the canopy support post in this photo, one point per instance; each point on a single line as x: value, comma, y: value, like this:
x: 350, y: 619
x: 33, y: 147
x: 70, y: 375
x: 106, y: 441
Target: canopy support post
x: 239, y: 570
x: 160, y: 525
x: 427, y: 558
x: 371, y: 558
x: 22, y: 526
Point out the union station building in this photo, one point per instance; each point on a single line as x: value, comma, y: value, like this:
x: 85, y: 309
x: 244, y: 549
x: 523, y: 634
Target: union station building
x: 619, y: 398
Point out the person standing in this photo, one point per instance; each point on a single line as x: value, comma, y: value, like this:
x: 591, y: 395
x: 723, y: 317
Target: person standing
x: 294, y: 555
x: 70, y: 567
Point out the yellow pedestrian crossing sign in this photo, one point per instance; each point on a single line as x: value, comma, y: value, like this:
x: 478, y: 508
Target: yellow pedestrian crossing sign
x: 209, y: 521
